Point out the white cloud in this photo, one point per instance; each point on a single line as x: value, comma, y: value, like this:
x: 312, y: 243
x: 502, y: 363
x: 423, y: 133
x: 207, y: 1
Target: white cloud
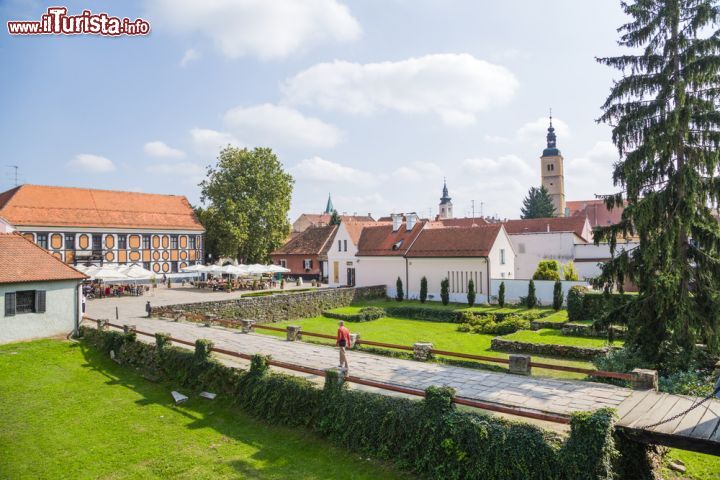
x: 210, y: 142
x: 191, y: 171
x: 91, y: 163
x: 267, y: 29
x: 591, y: 173
x: 321, y: 170
x: 456, y: 87
x: 496, y: 139
x: 537, y: 129
x: 162, y: 150
x: 506, y: 166
x: 418, y: 171
x: 269, y: 124
x: 190, y: 55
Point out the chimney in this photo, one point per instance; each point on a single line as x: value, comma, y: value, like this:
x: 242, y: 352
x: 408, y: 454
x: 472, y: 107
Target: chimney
x: 411, y: 220
x: 397, y: 221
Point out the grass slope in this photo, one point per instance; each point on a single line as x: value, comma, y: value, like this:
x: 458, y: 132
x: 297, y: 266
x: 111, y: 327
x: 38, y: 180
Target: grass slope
x: 552, y: 336
x: 68, y: 412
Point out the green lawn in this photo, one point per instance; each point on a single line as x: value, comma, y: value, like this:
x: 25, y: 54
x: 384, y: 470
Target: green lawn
x: 444, y: 336
x: 68, y: 412
x: 450, y: 306
x: 699, y: 466
x: 552, y: 336
x: 561, y: 316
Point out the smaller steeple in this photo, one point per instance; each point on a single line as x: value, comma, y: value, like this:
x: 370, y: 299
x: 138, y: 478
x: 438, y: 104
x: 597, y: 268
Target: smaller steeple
x: 445, y: 196
x: 551, y: 149
x: 329, y: 207
x: 445, y: 210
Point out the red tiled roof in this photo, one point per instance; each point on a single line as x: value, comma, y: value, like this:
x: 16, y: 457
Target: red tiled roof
x: 324, y: 218
x: 462, y: 222
x: 596, y: 212
x: 313, y: 241
x: 471, y: 241
x: 355, y: 229
x: 43, y: 206
x: 23, y: 261
x: 540, y: 225
x: 380, y: 240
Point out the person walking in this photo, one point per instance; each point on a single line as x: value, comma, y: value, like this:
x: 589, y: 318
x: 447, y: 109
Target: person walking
x: 343, y: 341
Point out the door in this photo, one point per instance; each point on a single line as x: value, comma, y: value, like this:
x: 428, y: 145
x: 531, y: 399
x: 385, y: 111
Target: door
x: 351, y: 277
x: 336, y: 272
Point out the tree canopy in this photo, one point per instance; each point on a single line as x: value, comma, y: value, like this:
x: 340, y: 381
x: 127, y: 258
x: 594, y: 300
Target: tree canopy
x: 667, y: 131
x: 248, y: 195
x: 537, y: 204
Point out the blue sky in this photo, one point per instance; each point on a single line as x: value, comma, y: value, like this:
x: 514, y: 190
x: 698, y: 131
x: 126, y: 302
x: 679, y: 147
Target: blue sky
x: 374, y: 101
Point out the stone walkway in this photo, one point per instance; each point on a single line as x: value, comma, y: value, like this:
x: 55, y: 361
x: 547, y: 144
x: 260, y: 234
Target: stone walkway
x: 541, y: 394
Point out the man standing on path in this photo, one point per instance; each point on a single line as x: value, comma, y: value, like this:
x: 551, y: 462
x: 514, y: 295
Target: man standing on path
x: 343, y: 340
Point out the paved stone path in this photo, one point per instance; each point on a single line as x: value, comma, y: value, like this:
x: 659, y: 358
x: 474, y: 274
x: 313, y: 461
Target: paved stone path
x: 541, y: 394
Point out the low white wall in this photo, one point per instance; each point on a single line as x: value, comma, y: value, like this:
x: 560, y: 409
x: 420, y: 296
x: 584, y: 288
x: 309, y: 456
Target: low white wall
x: 58, y: 318
x: 514, y: 289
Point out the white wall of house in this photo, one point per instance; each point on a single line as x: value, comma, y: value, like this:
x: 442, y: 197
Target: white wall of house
x: 589, y: 257
x: 514, y: 289
x: 502, y: 257
x: 457, y: 270
x: 380, y: 271
x: 341, y: 256
x: 531, y: 248
x: 61, y: 311
x: 5, y: 226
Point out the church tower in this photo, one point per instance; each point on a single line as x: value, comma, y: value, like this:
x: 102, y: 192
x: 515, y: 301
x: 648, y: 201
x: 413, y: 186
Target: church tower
x: 552, y: 172
x: 445, y: 204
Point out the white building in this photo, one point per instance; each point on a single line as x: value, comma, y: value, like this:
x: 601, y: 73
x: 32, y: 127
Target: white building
x: 417, y: 249
x: 589, y: 257
x: 342, y: 262
x: 540, y: 239
x: 41, y: 294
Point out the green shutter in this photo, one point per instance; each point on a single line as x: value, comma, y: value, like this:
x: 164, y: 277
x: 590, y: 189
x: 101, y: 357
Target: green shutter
x: 10, y: 304
x: 39, y: 301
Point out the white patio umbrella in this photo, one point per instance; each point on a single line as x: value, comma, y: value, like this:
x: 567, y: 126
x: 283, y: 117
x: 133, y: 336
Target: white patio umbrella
x: 138, y: 273
x: 107, y: 273
x: 237, y: 270
x: 277, y: 269
x: 257, y: 269
x: 195, y: 269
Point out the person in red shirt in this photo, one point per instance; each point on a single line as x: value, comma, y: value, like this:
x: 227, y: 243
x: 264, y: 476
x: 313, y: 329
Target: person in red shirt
x: 343, y: 340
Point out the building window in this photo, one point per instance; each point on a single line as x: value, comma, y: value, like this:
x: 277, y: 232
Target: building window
x: 122, y: 242
x: 339, y: 245
x: 69, y: 241
x: 193, y: 242
x: 521, y: 248
x: 307, y: 264
x: 146, y: 242
x: 26, y: 301
x: 502, y: 256
x: 174, y: 267
x: 42, y: 240
x: 282, y: 262
x: 97, y: 242
x: 146, y: 265
x: 345, y: 245
x: 173, y: 242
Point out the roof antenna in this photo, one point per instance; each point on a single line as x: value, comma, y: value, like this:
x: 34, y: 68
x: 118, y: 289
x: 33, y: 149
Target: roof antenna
x: 16, y: 173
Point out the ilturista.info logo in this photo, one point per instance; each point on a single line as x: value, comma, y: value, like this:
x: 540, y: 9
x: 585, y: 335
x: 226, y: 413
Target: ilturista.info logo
x: 57, y: 22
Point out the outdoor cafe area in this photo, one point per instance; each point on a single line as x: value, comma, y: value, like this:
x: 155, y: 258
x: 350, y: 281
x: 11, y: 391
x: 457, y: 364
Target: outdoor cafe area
x: 228, y: 278
x: 115, y: 280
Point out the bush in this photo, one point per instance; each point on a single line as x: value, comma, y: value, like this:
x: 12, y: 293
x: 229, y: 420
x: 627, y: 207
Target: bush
x: 445, y: 291
x: 695, y: 383
x: 428, y: 438
x: 531, y: 300
x: 423, y: 289
x: 364, y: 315
x: 399, y: 295
x: 557, y: 295
x: 471, y: 293
x: 501, y: 294
x: 423, y: 313
x: 547, y: 270
x: 569, y: 272
x: 489, y: 324
x: 575, y: 303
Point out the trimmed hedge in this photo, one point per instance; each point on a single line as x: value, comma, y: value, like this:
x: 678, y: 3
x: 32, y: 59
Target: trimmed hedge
x: 594, y: 306
x: 423, y: 313
x: 488, y: 324
x: 364, y: 315
x: 429, y: 438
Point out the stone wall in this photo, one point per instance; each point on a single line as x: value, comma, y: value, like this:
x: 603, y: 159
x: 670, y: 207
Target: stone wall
x: 272, y: 308
x: 566, y: 351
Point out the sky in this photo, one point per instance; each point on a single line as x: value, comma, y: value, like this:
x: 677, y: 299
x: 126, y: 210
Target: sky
x: 372, y: 101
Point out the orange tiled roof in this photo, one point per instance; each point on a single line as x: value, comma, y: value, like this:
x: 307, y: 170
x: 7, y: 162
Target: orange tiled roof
x: 540, y: 225
x: 596, y: 212
x: 355, y: 229
x: 462, y: 222
x: 23, y: 261
x: 324, y: 218
x: 44, y: 206
x: 380, y: 240
x: 313, y: 241
x: 473, y: 241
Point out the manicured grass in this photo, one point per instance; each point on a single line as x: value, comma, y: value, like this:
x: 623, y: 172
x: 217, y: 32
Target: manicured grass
x: 444, y: 336
x: 69, y: 412
x: 552, y: 336
x: 450, y: 306
x: 699, y: 466
x: 346, y: 310
x: 560, y: 316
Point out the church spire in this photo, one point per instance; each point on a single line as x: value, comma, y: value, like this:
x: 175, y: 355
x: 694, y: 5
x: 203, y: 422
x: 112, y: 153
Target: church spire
x: 445, y: 210
x: 551, y: 149
x: 329, y: 207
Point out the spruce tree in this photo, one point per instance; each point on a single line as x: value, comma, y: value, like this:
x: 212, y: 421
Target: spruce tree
x: 537, y: 204
x: 531, y: 300
x: 423, y: 289
x: 334, y: 218
x: 445, y: 291
x: 667, y: 131
x: 501, y: 294
x: 399, y: 294
x: 471, y: 293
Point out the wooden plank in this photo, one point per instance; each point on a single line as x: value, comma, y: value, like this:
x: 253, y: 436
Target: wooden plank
x: 681, y: 404
x: 690, y: 420
x: 642, y: 410
x: 657, y: 412
x: 631, y: 402
x: 708, y: 423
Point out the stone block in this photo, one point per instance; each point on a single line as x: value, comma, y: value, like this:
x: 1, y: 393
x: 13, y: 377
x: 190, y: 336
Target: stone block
x: 294, y: 332
x: 520, y: 364
x: 643, y: 379
x: 422, y: 351
x: 247, y: 326
x: 340, y: 374
x: 102, y: 324
x: 129, y: 329
x: 354, y: 337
